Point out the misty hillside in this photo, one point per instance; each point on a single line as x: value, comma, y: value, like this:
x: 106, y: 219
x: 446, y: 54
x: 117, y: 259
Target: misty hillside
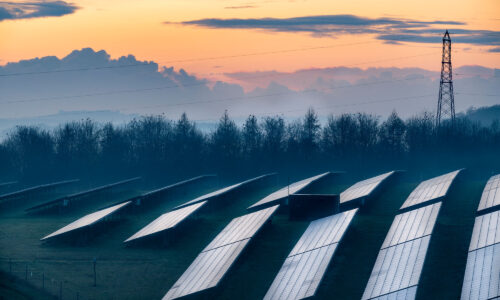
x: 485, y: 115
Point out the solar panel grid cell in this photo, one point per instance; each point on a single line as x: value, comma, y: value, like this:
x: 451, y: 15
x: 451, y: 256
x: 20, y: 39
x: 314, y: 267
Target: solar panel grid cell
x: 486, y: 231
x: 411, y: 225
x: 431, y: 189
x: 482, y: 274
x: 323, y: 232
x: 363, y: 188
x: 491, y: 193
x: 396, y: 268
x: 301, y: 274
x: 404, y: 294
x: 206, y: 270
x: 241, y: 228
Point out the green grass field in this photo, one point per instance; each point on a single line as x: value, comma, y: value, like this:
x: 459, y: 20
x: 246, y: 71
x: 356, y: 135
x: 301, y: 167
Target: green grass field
x: 147, y: 271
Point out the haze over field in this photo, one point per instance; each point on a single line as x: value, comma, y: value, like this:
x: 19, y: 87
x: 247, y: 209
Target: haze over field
x: 263, y: 58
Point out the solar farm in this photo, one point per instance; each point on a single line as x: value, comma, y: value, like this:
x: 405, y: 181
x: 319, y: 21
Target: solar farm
x: 391, y: 234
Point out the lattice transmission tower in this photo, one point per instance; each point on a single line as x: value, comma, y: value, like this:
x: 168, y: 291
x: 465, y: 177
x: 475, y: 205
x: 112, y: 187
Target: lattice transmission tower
x: 446, y: 100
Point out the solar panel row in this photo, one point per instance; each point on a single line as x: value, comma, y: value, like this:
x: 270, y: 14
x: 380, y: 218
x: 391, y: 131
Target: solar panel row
x: 431, y: 189
x: 214, y: 261
x: 301, y: 274
x: 65, y: 199
x: 223, y: 190
x: 88, y: 220
x: 363, y: 188
x: 491, y: 194
x: 400, y: 261
x: 282, y: 193
x: 168, y: 187
x: 19, y: 193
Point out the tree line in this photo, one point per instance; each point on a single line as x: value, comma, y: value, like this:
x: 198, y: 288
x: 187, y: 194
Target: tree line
x: 154, y: 145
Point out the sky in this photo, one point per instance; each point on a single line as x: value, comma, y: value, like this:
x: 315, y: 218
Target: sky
x: 266, y: 45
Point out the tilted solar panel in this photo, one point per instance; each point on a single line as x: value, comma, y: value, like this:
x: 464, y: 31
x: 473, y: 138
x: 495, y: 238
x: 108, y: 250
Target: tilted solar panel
x: 301, y: 274
x: 288, y: 190
x: 363, y: 188
x: 222, y: 191
x: 491, y: 194
x: 412, y: 225
x: 431, y: 189
x: 88, y: 220
x: 486, y: 231
x: 482, y: 274
x: 166, y: 221
x: 207, y: 270
x: 396, y: 268
x: 404, y: 294
x: 214, y: 261
x: 242, y: 228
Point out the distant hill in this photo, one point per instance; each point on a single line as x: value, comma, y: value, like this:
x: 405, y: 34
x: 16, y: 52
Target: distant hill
x: 485, y: 115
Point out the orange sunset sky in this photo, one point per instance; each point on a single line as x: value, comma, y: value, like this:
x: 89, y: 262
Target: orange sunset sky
x: 150, y: 30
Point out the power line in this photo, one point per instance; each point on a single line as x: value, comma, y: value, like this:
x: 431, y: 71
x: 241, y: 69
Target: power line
x: 190, y: 85
x: 187, y: 60
x: 95, y: 68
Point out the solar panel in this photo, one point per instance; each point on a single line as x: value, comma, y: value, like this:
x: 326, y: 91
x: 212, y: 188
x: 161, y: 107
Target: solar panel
x: 207, y: 270
x: 482, y: 274
x: 166, y: 221
x: 222, y: 191
x: 74, y: 196
x: 241, y: 228
x: 431, y: 189
x: 412, y: 225
x: 404, y: 294
x: 324, y: 231
x: 301, y: 274
x: 88, y: 220
x: 288, y: 190
x: 396, y: 268
x: 171, y: 186
x: 214, y: 261
x: 7, y: 183
x: 486, y: 231
x: 491, y: 194
x: 363, y: 188
x: 35, y: 188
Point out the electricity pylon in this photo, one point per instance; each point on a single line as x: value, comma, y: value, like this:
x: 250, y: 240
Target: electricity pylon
x: 446, y: 100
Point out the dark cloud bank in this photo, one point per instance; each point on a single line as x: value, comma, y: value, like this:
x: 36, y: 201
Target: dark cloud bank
x: 34, y: 9
x: 391, y: 30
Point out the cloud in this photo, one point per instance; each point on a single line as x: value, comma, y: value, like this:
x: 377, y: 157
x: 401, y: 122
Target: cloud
x: 240, y: 7
x: 391, y: 30
x: 38, y: 9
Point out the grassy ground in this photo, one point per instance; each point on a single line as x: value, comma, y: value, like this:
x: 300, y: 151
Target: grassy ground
x: 147, y: 271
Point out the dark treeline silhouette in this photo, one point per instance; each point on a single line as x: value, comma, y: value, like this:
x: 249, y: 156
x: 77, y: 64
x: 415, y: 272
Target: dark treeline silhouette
x: 154, y: 145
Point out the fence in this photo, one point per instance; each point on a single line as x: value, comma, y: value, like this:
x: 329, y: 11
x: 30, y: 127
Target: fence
x: 34, y: 275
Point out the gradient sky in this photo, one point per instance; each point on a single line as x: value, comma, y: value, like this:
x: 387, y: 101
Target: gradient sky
x: 153, y: 30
